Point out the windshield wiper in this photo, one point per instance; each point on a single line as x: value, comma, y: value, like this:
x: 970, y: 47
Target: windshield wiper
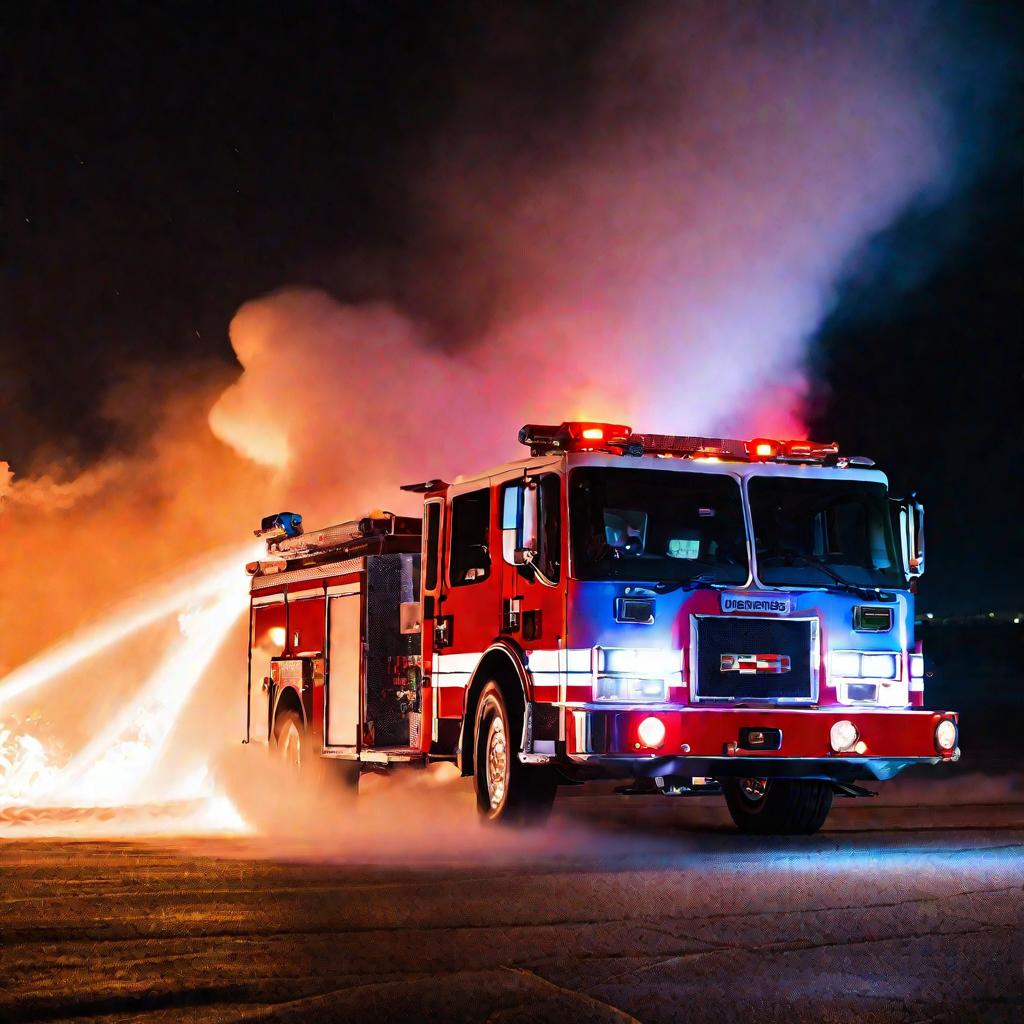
x: 693, y: 583
x: 841, y: 581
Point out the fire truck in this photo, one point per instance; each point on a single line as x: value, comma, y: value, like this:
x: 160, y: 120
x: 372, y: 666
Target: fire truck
x: 686, y: 615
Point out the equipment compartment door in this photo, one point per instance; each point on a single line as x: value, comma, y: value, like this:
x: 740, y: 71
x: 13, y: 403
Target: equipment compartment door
x: 341, y: 721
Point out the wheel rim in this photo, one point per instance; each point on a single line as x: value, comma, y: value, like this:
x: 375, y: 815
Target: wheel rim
x: 754, y: 790
x: 291, y: 745
x: 497, y: 762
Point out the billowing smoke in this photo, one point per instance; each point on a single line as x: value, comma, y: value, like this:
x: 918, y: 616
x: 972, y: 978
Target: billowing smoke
x: 655, y: 249
x: 661, y: 259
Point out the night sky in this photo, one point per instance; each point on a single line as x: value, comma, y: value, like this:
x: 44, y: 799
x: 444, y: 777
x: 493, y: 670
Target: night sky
x: 164, y: 165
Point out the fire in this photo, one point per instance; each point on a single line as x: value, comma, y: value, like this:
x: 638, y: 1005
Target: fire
x: 121, y: 765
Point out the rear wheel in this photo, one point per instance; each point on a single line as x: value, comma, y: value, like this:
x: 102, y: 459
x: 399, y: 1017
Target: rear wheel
x: 507, y: 790
x: 778, y: 806
x: 290, y: 740
x: 296, y: 751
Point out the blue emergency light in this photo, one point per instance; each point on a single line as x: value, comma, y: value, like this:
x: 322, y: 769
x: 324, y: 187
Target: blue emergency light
x: 287, y: 523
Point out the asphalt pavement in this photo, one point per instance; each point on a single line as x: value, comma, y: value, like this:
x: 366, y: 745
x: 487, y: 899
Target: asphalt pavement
x: 909, y: 909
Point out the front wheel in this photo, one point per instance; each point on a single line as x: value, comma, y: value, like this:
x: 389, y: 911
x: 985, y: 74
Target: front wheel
x: 781, y: 807
x: 507, y: 790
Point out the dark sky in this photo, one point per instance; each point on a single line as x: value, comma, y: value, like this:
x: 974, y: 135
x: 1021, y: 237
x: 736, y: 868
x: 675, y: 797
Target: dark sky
x: 164, y: 164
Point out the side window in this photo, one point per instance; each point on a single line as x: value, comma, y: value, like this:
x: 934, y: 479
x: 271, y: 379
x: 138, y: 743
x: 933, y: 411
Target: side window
x: 531, y: 517
x: 470, y: 553
x: 549, y: 534
x: 433, y: 536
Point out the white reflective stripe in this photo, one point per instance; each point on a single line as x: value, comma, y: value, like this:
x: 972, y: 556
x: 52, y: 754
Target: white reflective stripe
x: 297, y: 595
x: 542, y: 661
x: 451, y: 679
x: 578, y: 659
x: 457, y: 662
x: 268, y: 599
x: 567, y: 660
x: 546, y: 678
x: 917, y: 686
x: 343, y: 589
x: 546, y: 667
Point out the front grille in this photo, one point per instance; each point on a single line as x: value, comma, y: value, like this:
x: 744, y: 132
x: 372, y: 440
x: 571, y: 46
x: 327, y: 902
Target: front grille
x: 752, y: 639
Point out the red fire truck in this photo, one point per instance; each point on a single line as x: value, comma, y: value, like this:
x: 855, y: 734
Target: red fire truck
x: 687, y: 615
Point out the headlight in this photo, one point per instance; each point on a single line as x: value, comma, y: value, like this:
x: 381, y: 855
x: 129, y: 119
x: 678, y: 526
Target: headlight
x: 843, y: 735
x: 878, y: 666
x: 630, y: 688
x: 946, y: 734
x: 865, y: 665
x: 638, y: 661
x: 651, y: 732
x: 917, y: 666
x: 846, y: 663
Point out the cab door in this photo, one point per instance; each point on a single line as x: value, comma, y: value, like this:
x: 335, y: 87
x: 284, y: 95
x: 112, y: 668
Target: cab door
x: 467, y: 619
x: 432, y: 623
x: 533, y: 584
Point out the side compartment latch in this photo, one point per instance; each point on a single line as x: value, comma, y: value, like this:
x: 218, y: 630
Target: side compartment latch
x: 513, y: 611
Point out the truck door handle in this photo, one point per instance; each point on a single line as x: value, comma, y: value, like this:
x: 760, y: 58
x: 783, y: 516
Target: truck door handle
x: 443, y: 631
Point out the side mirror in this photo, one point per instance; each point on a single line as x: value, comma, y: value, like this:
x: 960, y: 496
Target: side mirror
x: 917, y: 520
x: 519, y: 517
x: 911, y: 521
x: 509, y: 539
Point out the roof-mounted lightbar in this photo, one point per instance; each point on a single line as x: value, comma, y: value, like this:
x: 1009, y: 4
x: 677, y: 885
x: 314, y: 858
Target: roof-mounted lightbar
x: 618, y: 439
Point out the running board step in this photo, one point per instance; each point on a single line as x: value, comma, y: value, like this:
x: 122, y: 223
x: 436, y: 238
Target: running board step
x: 849, y: 789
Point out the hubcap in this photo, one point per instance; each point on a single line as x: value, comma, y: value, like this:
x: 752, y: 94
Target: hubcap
x: 497, y: 762
x: 291, y: 746
x: 754, y: 789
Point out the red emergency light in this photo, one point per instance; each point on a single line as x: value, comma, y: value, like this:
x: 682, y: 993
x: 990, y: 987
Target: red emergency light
x: 575, y: 436
x: 808, y: 449
x: 765, y: 449
x: 762, y: 449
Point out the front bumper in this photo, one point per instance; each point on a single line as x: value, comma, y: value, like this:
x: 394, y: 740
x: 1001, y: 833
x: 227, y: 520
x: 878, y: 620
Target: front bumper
x: 716, y: 741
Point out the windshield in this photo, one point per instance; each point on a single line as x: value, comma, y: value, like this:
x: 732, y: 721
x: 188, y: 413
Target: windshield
x: 649, y: 524
x: 809, y: 532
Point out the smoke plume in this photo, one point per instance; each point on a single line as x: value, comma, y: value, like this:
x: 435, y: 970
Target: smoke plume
x: 663, y: 259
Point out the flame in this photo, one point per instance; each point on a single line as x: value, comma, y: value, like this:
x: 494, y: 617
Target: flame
x: 26, y: 765
x: 121, y: 765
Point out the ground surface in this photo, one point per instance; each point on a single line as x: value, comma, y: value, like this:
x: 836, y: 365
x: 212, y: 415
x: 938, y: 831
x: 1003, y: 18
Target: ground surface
x: 630, y: 909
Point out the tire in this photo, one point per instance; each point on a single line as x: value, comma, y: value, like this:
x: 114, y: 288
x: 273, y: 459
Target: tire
x: 778, y: 807
x: 291, y: 743
x: 507, y: 791
x: 294, y: 747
